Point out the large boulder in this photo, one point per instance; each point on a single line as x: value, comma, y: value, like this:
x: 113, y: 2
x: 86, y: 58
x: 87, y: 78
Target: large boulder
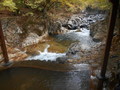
x: 20, y: 29
x: 31, y: 39
x: 77, y: 51
x: 55, y: 28
x: 11, y: 31
x: 98, y: 30
x: 62, y: 59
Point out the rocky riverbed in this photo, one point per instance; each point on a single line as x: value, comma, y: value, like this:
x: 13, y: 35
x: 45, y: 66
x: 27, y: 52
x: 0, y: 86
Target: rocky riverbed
x: 76, y: 39
x: 80, y: 37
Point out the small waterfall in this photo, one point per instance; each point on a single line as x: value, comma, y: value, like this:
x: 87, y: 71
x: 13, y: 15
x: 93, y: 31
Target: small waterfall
x: 46, y: 49
x: 45, y: 55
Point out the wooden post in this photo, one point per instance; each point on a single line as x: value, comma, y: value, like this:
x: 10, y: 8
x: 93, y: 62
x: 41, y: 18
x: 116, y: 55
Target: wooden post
x: 102, y: 77
x: 3, y: 46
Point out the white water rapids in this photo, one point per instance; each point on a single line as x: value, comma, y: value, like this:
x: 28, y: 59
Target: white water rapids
x: 46, y: 55
x: 82, y: 35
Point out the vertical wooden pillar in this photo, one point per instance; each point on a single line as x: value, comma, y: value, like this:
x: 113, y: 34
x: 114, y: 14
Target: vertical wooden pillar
x: 102, y: 77
x: 3, y: 46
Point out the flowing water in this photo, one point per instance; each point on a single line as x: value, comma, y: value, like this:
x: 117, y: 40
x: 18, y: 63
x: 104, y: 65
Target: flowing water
x: 45, y: 55
x: 83, y: 36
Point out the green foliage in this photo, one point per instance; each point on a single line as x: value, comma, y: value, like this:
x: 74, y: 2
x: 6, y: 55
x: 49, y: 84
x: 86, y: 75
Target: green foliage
x: 34, y: 3
x: 8, y: 4
x: 29, y: 14
x: 100, y: 4
x: 47, y: 5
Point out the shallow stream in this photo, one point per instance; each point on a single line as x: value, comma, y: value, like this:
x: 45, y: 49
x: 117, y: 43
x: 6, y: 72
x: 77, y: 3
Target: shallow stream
x: 61, y: 43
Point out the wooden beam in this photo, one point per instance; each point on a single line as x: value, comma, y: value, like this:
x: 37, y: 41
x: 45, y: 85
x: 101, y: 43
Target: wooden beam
x: 3, y: 46
x: 102, y: 77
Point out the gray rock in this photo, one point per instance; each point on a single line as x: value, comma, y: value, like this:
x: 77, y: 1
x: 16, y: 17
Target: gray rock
x: 31, y: 39
x: 54, y: 28
x: 61, y: 59
x: 77, y: 51
x: 98, y: 30
x: 11, y: 31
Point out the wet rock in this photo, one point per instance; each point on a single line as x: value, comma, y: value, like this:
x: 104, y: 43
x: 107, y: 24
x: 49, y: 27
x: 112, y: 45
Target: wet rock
x: 97, y: 39
x: 61, y: 59
x: 56, y: 28
x: 72, y: 27
x: 99, y: 31
x: 83, y: 26
x: 83, y: 20
x: 31, y: 39
x: 77, y: 51
x: 12, y: 31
